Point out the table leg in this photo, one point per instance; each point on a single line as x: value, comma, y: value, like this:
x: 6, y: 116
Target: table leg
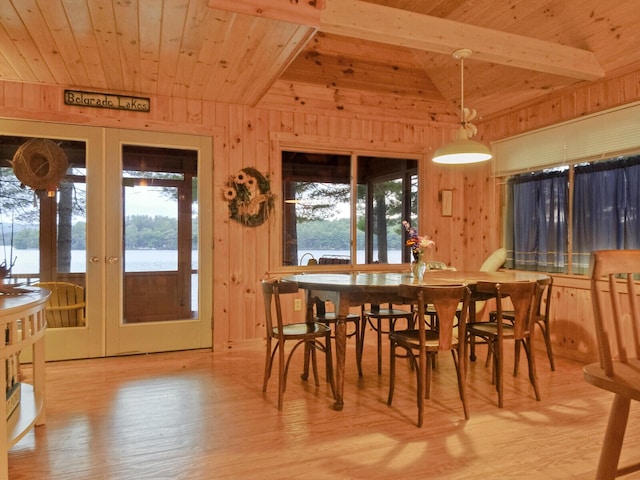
x: 341, y: 346
x: 472, y: 339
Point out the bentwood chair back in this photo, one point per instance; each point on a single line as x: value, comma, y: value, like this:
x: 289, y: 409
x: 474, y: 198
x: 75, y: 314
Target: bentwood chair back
x: 541, y: 315
x: 422, y: 345
x: 521, y: 296
x: 312, y: 336
x: 614, y: 297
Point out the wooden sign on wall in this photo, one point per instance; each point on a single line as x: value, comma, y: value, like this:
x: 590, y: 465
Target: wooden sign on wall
x: 105, y: 100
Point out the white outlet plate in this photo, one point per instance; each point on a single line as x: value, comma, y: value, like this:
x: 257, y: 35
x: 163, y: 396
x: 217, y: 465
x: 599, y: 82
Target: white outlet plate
x: 297, y: 304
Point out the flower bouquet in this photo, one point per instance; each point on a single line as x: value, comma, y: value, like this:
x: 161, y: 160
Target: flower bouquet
x: 419, y: 244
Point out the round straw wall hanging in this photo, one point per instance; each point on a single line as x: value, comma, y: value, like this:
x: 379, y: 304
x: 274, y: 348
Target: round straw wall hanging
x: 40, y: 164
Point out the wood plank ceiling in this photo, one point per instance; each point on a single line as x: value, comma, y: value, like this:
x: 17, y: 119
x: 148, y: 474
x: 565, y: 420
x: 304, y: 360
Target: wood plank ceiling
x: 238, y: 51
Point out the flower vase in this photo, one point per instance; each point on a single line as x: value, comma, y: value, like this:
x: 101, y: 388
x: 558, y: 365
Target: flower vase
x: 419, y: 266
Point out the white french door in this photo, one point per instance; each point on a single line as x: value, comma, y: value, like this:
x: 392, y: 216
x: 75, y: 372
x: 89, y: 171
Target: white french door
x: 118, y: 181
x: 157, y: 175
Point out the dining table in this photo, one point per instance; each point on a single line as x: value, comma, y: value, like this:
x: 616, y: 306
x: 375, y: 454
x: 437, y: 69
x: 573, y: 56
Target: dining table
x: 353, y: 289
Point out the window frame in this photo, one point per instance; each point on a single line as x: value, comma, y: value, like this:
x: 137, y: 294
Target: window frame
x: 353, y: 148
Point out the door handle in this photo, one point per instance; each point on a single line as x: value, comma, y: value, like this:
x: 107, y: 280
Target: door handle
x: 112, y: 260
x: 94, y: 259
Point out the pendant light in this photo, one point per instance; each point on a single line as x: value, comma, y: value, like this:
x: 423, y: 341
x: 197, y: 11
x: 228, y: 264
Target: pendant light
x: 463, y: 150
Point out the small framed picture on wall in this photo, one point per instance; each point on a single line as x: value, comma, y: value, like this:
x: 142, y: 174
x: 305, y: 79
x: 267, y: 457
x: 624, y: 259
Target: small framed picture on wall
x: 447, y: 203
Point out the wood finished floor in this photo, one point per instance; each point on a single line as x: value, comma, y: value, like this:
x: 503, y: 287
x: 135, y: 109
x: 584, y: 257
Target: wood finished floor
x: 202, y: 415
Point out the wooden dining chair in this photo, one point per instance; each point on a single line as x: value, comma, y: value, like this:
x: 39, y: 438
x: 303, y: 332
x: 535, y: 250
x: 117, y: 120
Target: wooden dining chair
x: 521, y: 296
x: 541, y: 311
x: 422, y: 345
x: 307, y: 334
x: 375, y: 315
x: 614, y: 298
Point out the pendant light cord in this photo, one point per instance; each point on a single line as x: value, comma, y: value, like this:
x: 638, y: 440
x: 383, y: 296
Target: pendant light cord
x: 462, y: 90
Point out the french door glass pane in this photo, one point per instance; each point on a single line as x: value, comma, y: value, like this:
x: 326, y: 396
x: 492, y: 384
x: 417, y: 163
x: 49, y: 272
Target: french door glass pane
x: 43, y: 236
x: 160, y: 241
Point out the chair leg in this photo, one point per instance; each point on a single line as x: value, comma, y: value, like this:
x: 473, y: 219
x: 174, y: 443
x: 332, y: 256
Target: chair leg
x: 613, y: 438
x: 498, y: 351
x: 460, y: 371
x: 282, y: 374
x: 472, y: 347
x: 392, y: 370
x: 544, y: 326
x: 267, y: 365
x: 359, y: 341
x: 379, y: 332
x: 516, y: 358
x: 428, y: 373
x: 305, y: 369
x: 329, y: 365
x: 422, y: 370
x: 531, y: 360
x: 314, y: 362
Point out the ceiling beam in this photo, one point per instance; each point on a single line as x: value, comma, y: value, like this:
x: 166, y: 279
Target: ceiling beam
x: 293, y: 11
x: 368, y: 21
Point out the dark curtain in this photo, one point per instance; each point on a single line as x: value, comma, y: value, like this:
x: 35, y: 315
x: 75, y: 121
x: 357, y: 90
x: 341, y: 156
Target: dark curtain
x: 606, y: 203
x: 538, y: 239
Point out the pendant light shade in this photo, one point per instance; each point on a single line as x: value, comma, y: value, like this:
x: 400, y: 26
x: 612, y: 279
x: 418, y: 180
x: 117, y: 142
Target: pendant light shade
x: 463, y: 150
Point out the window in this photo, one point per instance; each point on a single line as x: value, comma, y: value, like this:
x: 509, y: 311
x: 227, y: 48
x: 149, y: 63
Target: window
x: 605, y: 215
x: 326, y: 216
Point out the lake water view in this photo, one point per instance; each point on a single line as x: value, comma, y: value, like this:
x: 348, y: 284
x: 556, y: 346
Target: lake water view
x: 27, y: 261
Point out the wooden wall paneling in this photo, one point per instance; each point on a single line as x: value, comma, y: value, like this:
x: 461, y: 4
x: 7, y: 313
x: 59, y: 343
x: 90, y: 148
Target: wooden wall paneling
x: 355, y: 129
x: 275, y: 225
x: 236, y: 245
x: 472, y: 226
x: 214, y: 243
x: 311, y: 124
x: 31, y: 98
x: 179, y: 110
x: 221, y: 295
x: 50, y: 100
x: 574, y: 102
x: 286, y: 122
x: 254, y: 248
x: 321, y: 99
x: 13, y: 97
x: 194, y: 112
x: 572, y: 329
x: 322, y: 126
x: 222, y: 268
x: 442, y: 229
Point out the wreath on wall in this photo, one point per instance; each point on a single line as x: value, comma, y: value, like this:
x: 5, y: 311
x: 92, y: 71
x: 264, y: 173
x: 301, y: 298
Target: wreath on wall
x: 40, y: 164
x: 249, y: 196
